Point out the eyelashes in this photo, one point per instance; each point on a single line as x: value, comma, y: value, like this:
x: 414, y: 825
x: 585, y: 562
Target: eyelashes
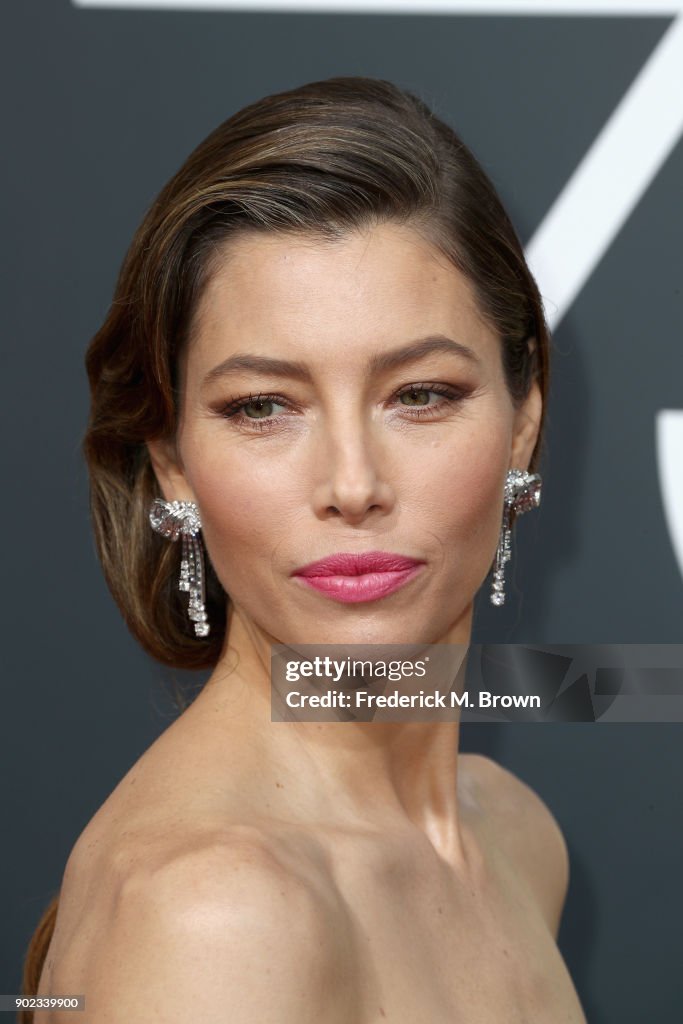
x: 233, y: 410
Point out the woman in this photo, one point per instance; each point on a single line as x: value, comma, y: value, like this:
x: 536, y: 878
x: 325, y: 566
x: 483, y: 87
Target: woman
x: 324, y: 341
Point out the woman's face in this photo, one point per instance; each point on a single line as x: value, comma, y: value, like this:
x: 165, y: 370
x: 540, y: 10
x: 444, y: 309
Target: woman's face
x: 359, y: 446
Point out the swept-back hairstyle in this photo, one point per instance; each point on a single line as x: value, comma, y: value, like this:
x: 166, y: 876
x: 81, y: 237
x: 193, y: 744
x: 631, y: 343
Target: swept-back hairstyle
x: 326, y: 158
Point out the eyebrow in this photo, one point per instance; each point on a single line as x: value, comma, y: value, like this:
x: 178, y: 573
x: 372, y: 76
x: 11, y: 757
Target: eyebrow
x: 378, y: 363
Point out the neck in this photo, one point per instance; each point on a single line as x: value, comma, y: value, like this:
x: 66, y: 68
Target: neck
x: 373, y: 773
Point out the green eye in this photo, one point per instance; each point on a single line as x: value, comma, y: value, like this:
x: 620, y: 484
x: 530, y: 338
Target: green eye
x: 421, y: 393
x: 237, y: 410
x: 257, y: 410
x: 264, y: 403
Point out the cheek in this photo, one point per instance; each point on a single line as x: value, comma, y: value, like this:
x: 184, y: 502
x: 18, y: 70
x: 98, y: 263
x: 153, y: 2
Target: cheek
x: 244, y: 505
x: 459, y: 515
x: 466, y: 474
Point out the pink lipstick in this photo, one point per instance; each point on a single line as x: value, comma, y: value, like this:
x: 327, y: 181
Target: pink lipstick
x: 364, y: 576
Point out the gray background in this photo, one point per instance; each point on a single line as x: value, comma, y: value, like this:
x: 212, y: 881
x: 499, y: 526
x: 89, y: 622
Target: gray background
x: 100, y: 108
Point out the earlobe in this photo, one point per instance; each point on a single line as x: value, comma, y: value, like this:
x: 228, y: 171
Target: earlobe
x: 170, y: 477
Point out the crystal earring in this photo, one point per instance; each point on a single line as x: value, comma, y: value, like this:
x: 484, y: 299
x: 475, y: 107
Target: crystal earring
x: 176, y: 519
x: 522, y: 493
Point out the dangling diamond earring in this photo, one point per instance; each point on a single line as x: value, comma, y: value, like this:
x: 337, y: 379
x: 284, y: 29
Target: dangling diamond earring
x: 522, y: 493
x: 176, y: 519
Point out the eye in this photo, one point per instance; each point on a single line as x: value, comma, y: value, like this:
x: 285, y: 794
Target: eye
x: 419, y: 404
x: 261, y: 406
x: 420, y: 395
x: 254, y: 412
x: 238, y: 409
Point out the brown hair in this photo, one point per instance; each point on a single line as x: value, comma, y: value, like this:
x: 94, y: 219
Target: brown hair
x: 325, y: 158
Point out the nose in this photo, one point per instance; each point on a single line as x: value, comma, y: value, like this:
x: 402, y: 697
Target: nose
x: 351, y: 483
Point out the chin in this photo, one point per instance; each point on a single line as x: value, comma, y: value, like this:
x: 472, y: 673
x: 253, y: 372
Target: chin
x: 363, y: 633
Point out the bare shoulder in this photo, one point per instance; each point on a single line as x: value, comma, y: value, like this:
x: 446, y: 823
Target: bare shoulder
x: 217, y: 930
x: 528, y: 832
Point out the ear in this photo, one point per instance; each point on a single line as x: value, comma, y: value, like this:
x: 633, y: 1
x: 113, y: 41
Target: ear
x: 168, y: 470
x: 527, y: 423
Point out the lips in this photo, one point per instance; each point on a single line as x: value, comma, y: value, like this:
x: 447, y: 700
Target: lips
x: 357, y: 564
x: 365, y: 576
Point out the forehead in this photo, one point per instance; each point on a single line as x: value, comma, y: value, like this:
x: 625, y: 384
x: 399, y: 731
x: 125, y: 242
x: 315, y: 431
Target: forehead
x: 292, y: 294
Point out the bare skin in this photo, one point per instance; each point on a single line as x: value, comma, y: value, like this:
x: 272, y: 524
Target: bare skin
x: 245, y: 870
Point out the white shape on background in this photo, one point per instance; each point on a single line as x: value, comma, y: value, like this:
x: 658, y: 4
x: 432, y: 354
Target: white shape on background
x: 612, y: 177
x: 669, y: 445
x: 618, y: 167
